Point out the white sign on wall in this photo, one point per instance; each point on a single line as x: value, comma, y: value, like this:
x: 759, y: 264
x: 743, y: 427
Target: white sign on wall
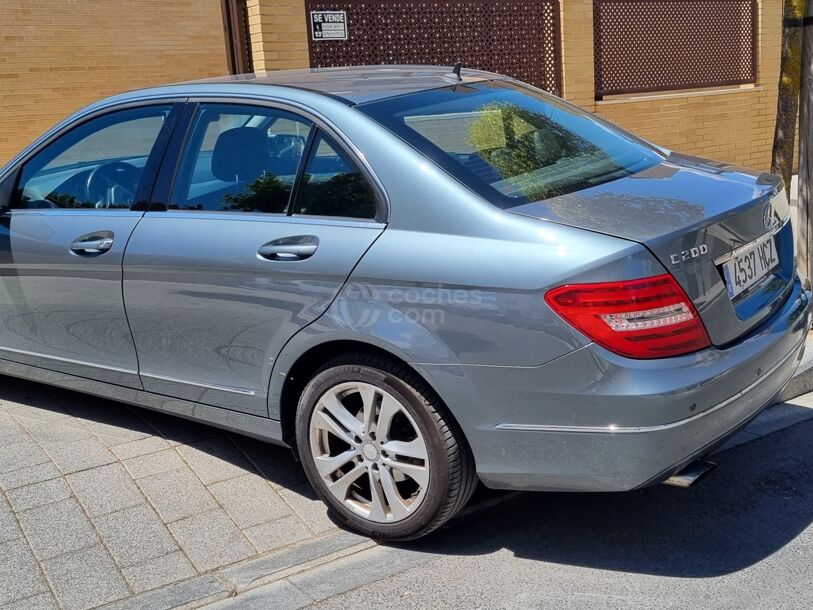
x: 328, y: 25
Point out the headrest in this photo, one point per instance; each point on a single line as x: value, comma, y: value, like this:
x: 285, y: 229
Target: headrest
x: 240, y: 154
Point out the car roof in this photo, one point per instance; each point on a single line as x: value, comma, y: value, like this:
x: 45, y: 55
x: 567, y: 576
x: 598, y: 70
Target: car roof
x: 348, y: 85
x: 357, y: 84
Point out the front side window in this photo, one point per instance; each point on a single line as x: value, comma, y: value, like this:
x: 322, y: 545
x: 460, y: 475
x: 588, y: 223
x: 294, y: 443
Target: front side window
x: 512, y: 144
x: 332, y: 185
x: 96, y: 165
x: 240, y: 158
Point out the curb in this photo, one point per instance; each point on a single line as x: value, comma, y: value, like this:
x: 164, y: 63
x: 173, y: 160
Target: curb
x: 287, y: 578
x: 229, y: 581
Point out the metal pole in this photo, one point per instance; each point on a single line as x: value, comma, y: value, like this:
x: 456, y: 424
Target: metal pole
x: 804, y: 204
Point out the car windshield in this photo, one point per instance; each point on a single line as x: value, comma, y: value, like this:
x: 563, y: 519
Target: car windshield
x: 511, y: 143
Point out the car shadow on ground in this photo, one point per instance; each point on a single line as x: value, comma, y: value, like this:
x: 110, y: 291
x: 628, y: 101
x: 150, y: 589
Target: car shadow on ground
x: 757, y: 500
x: 116, y: 423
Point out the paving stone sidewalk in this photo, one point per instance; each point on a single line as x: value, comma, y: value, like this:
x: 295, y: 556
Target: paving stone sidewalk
x: 102, y: 502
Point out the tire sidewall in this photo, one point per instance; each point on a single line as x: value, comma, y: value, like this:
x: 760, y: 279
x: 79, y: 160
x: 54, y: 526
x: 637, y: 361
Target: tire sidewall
x: 413, y: 403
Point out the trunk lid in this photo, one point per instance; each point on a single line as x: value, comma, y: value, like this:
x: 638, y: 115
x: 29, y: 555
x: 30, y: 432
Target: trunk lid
x: 693, y: 215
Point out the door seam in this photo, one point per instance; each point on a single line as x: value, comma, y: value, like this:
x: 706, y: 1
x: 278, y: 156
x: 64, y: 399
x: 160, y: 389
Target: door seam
x: 124, y: 302
x: 319, y: 317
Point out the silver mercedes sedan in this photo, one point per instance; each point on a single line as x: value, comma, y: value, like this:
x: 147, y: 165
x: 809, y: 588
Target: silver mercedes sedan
x: 420, y: 278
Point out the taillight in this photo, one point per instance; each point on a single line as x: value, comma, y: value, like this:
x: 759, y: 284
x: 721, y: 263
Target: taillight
x: 646, y: 318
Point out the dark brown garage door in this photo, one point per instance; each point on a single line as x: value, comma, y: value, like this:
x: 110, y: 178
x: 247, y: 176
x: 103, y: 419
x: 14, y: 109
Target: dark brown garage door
x: 515, y: 37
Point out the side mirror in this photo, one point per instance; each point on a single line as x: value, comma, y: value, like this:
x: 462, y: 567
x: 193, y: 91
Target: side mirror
x: 7, y: 190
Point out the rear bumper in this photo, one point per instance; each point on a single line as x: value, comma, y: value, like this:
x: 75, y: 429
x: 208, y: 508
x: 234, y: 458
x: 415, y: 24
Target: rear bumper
x: 581, y: 459
x: 593, y: 421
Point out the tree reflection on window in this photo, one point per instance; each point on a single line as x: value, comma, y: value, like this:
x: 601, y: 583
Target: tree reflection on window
x: 345, y: 194
x: 266, y: 194
x: 533, y: 153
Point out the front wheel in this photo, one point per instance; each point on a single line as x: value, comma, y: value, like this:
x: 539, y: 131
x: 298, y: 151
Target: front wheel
x: 380, y: 450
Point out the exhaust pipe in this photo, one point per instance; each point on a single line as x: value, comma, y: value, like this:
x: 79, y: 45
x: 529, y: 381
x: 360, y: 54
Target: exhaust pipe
x: 689, y: 475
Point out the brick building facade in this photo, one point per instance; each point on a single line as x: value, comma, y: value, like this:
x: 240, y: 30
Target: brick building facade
x: 57, y: 55
x: 733, y: 124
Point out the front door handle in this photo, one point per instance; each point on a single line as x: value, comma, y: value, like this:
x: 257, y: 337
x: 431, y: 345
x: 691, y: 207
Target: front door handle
x: 295, y: 248
x: 96, y: 243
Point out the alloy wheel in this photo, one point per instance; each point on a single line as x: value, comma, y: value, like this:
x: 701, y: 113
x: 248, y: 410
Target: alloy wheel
x: 369, y: 452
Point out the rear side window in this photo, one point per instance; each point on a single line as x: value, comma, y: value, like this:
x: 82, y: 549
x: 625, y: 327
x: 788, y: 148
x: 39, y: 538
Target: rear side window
x: 332, y: 185
x: 240, y: 158
x: 512, y: 144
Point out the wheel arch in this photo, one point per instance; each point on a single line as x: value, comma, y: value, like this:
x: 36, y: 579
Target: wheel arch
x: 307, y: 363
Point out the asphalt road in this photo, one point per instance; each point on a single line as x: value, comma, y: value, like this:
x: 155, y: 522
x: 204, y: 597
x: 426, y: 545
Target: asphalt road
x: 741, y: 538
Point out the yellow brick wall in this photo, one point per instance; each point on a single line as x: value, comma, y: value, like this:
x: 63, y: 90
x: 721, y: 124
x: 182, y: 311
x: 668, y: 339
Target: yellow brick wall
x: 59, y: 55
x: 578, y: 76
x: 732, y: 126
x: 279, y: 34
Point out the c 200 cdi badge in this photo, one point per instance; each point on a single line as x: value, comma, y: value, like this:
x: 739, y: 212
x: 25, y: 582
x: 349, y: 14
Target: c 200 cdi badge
x: 420, y: 279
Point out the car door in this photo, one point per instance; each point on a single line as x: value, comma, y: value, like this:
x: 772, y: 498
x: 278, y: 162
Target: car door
x: 64, y: 226
x: 217, y: 282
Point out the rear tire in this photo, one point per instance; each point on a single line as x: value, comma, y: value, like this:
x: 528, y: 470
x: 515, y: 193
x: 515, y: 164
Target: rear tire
x: 380, y: 449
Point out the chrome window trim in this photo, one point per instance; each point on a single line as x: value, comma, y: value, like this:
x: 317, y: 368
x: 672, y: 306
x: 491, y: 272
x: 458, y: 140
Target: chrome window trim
x: 230, y: 215
x: 319, y: 121
x: 81, y: 117
x: 272, y: 101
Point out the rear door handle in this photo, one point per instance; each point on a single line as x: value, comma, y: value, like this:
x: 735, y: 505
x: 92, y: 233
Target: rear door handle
x: 96, y: 243
x: 294, y: 248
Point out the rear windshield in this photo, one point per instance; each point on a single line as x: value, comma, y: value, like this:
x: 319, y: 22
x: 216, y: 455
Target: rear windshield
x: 512, y: 144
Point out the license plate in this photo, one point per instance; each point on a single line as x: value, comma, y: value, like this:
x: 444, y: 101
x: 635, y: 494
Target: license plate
x: 750, y: 266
